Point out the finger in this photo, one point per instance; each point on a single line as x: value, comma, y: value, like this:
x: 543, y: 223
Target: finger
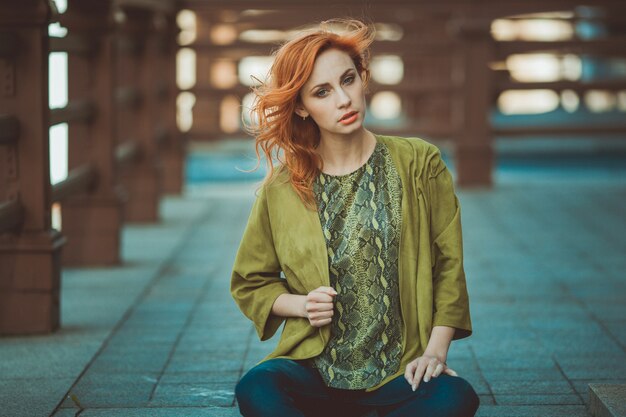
x: 320, y: 297
x: 409, y: 371
x: 327, y: 290
x: 419, y: 372
x: 320, y: 323
x: 449, y: 371
x: 321, y: 315
x: 316, y: 307
x: 432, y: 364
x: 438, y: 369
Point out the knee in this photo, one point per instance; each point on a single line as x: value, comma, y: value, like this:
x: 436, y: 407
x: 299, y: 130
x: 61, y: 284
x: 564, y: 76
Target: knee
x: 256, y: 388
x: 251, y: 385
x: 461, y: 399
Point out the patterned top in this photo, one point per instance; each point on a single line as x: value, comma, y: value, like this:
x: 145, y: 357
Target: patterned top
x: 360, y: 213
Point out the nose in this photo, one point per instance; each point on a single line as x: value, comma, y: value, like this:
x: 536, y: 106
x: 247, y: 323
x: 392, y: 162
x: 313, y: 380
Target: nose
x: 343, y: 99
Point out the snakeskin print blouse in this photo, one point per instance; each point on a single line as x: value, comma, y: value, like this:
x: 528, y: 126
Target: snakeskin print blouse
x: 360, y: 213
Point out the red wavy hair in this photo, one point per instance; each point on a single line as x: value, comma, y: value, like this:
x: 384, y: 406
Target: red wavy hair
x: 280, y: 132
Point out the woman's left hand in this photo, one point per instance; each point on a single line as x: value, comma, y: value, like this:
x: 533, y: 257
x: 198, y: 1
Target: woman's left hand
x: 426, y: 366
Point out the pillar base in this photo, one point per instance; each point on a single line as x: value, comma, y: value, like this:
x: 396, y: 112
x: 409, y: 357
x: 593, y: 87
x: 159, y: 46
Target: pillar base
x: 142, y: 187
x: 30, y: 281
x: 92, y: 227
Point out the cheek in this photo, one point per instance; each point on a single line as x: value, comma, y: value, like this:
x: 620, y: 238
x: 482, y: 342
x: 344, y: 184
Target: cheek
x: 320, y: 111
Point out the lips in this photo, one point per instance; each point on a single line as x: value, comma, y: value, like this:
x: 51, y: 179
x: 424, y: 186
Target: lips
x: 347, y: 115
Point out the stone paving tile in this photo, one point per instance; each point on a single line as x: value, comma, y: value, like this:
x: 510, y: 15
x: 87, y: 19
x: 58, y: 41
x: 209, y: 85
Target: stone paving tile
x: 538, y: 399
x: 486, y: 399
x: 462, y: 365
x: 617, y: 328
x: 523, y: 374
x: 222, y: 365
x: 595, y: 366
x: 24, y: 397
x: 531, y: 411
x: 478, y: 382
x: 65, y: 412
x: 110, y: 396
x: 158, y: 412
x: 228, y: 378
x: 215, y: 394
x: 582, y: 385
x: 545, y: 325
x: 116, y: 389
x: 134, y: 361
x: 603, y: 345
x: 507, y: 386
x: 512, y: 360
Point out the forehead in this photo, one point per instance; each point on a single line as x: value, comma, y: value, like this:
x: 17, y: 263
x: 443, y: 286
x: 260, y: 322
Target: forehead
x: 329, y: 65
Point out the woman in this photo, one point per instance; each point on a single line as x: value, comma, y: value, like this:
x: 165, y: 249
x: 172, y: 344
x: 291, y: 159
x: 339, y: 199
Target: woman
x: 366, y: 230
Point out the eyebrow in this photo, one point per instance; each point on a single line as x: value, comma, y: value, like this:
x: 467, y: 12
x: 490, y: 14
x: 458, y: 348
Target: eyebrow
x: 342, y: 75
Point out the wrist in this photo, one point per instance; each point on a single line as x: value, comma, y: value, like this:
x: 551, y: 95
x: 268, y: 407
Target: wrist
x: 442, y: 356
x: 439, y: 342
x: 302, y: 302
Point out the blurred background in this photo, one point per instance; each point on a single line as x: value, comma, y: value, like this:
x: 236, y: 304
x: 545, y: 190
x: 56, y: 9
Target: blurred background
x: 123, y: 194
x: 551, y: 81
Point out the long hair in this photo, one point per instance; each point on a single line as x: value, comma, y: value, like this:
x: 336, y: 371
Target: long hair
x: 280, y: 132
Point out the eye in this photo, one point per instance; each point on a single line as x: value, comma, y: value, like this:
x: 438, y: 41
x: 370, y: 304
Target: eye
x: 351, y: 78
x: 318, y: 93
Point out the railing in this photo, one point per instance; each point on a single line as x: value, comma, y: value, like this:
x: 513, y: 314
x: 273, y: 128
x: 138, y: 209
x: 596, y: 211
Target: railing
x: 120, y: 128
x: 448, y: 90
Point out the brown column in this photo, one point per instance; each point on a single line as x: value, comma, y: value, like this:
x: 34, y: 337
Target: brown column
x: 206, y: 111
x: 138, y: 66
x: 426, y: 89
x: 30, y: 266
x: 474, y: 151
x: 173, y: 147
x: 92, y: 222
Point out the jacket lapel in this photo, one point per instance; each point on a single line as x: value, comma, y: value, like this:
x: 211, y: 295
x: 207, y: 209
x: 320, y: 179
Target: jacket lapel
x: 299, y: 240
x: 312, y: 240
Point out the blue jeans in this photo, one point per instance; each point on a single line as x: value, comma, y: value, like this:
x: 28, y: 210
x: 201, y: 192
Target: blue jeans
x: 287, y: 388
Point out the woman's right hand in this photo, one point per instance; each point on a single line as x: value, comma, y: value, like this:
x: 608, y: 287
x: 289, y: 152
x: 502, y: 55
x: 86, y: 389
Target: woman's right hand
x: 318, y: 306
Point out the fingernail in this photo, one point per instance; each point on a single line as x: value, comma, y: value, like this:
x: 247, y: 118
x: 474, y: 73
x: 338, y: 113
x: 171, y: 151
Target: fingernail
x: 413, y: 387
x: 426, y: 379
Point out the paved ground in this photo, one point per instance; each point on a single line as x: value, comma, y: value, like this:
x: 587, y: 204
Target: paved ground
x: 161, y: 336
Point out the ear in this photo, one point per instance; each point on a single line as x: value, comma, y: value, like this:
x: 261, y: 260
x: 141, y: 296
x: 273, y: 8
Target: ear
x: 301, y: 112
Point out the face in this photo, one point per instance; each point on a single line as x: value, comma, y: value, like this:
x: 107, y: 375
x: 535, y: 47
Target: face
x: 333, y: 89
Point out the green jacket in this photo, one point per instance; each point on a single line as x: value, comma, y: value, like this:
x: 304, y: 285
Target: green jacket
x: 283, y: 235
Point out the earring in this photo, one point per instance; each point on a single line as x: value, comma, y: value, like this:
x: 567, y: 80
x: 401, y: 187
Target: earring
x: 303, y: 117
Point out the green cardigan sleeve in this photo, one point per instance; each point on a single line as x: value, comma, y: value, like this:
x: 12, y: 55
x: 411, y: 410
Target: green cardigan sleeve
x: 451, y: 300
x: 255, y: 280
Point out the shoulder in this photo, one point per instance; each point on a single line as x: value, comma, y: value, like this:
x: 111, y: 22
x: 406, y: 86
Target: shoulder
x: 275, y: 184
x: 406, y: 142
x: 421, y: 154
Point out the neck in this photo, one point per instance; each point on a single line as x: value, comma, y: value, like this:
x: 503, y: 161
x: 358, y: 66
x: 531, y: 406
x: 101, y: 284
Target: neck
x: 345, y: 153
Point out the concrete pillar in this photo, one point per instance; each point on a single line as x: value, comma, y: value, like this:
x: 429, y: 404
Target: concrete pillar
x: 92, y: 223
x: 30, y: 257
x: 474, y: 156
x: 137, y: 70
